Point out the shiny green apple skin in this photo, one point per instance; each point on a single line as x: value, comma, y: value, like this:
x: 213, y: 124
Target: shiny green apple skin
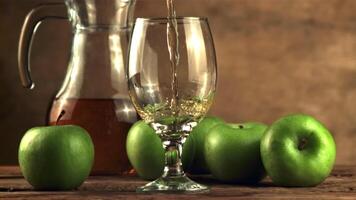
x: 297, y: 150
x: 233, y: 152
x: 198, y: 136
x: 146, y: 154
x: 56, y: 157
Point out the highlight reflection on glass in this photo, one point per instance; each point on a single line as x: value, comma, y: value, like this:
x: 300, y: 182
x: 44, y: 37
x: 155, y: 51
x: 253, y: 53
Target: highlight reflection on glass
x: 150, y: 88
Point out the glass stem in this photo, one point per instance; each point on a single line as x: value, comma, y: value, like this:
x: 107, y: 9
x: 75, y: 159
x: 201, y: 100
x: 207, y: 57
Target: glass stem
x: 173, y: 152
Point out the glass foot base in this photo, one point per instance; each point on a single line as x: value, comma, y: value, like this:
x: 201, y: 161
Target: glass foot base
x: 179, y: 184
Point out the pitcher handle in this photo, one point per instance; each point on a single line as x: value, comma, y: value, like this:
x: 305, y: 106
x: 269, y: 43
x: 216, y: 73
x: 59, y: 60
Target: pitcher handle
x: 31, y: 23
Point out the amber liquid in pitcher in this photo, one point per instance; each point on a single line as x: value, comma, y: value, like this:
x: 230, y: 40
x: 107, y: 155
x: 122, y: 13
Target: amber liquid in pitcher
x: 107, y: 121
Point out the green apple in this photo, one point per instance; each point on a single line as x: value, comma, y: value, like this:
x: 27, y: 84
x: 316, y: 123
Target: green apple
x: 297, y: 150
x: 233, y: 152
x: 56, y: 157
x: 198, y: 137
x: 146, y: 154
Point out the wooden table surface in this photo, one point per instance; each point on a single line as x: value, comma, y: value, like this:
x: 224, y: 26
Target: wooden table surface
x: 341, y: 184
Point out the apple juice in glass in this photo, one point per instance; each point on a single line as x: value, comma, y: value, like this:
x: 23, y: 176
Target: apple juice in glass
x: 172, y: 80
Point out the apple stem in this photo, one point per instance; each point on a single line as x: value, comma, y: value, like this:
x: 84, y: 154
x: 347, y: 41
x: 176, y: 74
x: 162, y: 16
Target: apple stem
x: 302, y: 143
x: 241, y: 127
x: 60, y: 116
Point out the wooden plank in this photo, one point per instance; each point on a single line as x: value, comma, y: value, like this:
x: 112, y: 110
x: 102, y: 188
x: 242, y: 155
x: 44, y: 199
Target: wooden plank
x: 340, y: 185
x: 10, y: 171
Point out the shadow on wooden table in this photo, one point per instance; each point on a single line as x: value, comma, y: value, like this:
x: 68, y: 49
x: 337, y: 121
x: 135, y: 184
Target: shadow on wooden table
x: 341, y: 184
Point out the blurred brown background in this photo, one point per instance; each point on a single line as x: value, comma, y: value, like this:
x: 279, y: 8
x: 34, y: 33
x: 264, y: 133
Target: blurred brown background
x: 275, y: 57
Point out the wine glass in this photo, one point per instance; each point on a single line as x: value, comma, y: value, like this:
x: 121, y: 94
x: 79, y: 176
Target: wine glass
x: 172, y: 96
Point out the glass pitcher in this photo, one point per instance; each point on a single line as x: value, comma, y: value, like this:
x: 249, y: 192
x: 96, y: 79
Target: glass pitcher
x: 94, y: 93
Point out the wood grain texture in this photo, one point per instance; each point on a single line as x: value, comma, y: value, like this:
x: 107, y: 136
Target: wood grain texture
x: 341, y: 184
